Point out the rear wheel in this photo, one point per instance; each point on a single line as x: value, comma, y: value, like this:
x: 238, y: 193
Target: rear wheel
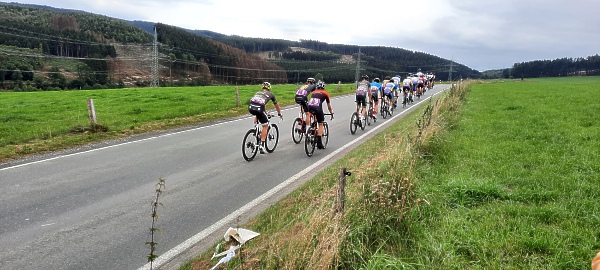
x: 363, y: 123
x: 272, y: 138
x: 297, y: 133
x: 353, y: 122
x: 325, y: 136
x: 309, y: 141
x: 250, y: 145
x: 369, y: 115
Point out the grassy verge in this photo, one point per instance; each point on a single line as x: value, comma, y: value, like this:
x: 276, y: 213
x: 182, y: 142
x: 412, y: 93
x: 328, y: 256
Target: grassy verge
x: 515, y: 184
x: 504, y: 178
x: 36, y: 122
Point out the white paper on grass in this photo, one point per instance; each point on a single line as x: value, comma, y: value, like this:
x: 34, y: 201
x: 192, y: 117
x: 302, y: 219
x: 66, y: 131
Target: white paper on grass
x: 240, y: 235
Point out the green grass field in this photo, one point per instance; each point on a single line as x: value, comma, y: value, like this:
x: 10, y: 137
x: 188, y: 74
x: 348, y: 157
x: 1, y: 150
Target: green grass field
x: 515, y: 183
x: 32, y: 122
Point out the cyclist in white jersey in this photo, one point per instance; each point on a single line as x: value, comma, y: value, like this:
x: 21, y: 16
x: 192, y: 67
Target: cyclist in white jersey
x: 407, y: 87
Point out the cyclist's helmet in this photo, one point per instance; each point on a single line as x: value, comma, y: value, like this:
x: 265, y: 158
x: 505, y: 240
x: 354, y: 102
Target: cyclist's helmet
x: 266, y: 85
x: 387, y: 77
x: 376, y: 80
x: 310, y: 80
x: 320, y: 85
x: 365, y: 77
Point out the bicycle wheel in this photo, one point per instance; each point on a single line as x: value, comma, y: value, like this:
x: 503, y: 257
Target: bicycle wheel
x: 250, y: 145
x: 384, y: 108
x: 310, y: 141
x: 325, y: 136
x: 297, y: 133
x: 369, y: 115
x: 353, y: 122
x: 363, y: 123
x: 272, y: 138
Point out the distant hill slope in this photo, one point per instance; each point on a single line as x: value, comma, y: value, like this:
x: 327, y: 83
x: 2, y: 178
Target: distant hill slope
x: 79, y: 50
x: 376, y: 60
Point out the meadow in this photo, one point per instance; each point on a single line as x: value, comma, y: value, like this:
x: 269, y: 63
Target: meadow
x: 496, y: 175
x: 36, y: 122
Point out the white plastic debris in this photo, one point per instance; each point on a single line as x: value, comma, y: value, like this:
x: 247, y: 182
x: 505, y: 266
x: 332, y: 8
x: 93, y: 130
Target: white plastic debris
x: 230, y: 254
x: 238, y: 235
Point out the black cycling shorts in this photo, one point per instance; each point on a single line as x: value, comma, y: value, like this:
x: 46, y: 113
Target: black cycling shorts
x: 259, y: 111
x: 318, y: 112
x: 361, y: 100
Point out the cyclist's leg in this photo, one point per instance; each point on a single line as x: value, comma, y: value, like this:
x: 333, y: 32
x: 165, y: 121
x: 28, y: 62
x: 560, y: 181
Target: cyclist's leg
x: 305, y: 113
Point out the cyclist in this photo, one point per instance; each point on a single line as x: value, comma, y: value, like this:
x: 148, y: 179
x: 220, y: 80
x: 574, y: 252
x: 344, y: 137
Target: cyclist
x: 362, y: 89
x: 257, y: 108
x: 388, y: 91
x: 420, y: 84
x: 397, y: 89
x: 385, y: 80
x: 406, y: 87
x: 315, y: 107
x: 429, y: 78
x: 415, y: 80
x: 302, y: 95
x: 375, y: 90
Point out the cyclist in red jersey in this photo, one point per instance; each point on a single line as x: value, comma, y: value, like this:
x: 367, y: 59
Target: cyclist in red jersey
x: 315, y: 107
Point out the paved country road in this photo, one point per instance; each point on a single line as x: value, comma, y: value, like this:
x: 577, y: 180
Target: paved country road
x: 90, y: 208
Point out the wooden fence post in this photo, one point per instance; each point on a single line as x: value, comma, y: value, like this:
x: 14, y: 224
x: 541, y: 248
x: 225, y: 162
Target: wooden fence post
x: 341, y: 193
x: 91, y: 112
x: 237, y: 96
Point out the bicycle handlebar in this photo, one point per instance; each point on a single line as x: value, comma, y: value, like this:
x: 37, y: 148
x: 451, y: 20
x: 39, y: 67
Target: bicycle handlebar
x: 329, y: 114
x: 272, y: 114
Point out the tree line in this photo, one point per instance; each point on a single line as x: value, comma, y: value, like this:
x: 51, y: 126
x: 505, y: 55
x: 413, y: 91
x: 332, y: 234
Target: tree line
x: 560, y: 67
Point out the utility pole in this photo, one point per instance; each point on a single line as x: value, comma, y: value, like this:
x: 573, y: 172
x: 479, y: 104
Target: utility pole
x: 154, y: 79
x: 356, y: 76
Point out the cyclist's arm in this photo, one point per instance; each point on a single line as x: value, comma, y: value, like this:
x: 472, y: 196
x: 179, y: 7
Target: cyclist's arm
x: 278, y: 108
x: 328, y: 99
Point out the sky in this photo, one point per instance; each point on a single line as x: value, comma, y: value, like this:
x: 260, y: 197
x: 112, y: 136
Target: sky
x: 481, y: 34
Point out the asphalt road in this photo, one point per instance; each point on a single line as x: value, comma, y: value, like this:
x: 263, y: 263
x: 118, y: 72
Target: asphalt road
x: 90, y: 208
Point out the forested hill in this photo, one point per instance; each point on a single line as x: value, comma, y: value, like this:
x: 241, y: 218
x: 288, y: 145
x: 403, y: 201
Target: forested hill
x: 45, y: 48
x: 305, y: 57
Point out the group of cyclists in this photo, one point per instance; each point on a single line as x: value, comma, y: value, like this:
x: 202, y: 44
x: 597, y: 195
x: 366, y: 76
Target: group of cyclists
x: 312, y: 95
x: 390, y: 90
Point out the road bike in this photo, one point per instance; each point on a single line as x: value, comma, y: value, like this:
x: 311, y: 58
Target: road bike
x: 406, y: 98
x: 310, y: 141
x: 385, y: 108
x: 299, y: 127
x: 251, y: 142
x: 356, y: 120
x: 370, y: 114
